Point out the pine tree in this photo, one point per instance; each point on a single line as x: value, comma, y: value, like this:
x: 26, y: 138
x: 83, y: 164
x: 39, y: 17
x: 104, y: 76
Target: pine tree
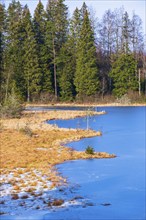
x: 56, y: 33
x: 47, y: 54
x: 126, y: 32
x: 39, y: 24
x: 2, y: 42
x: 86, y: 76
x: 67, y: 59
x: 66, y: 70
x: 123, y: 75
x: 83, y: 11
x: 75, y: 29
x: 2, y: 19
x: 32, y: 72
x: 13, y: 49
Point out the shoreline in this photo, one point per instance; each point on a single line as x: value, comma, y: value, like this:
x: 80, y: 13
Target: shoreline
x: 30, y: 149
x: 85, y: 105
x: 28, y: 195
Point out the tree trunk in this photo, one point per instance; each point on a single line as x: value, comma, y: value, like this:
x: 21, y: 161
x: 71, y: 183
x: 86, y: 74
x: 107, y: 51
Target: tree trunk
x: 55, y: 75
x: 139, y: 81
x: 103, y: 87
x: 28, y: 91
x: 7, y: 85
x: 144, y: 70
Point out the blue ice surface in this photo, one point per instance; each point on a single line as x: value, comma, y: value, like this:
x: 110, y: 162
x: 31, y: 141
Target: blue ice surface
x: 115, y: 187
x: 119, y: 182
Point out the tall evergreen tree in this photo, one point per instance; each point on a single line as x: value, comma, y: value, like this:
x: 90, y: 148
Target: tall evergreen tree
x: 86, y: 76
x: 67, y: 64
x: 123, y: 74
x: 75, y: 28
x: 57, y: 27
x: 2, y: 23
x: 126, y: 32
x: 39, y: 24
x: 67, y: 58
x: 83, y: 11
x: 46, y: 55
x: 13, y: 49
x: 32, y: 72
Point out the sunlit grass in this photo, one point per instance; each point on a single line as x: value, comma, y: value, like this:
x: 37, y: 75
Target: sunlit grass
x: 30, y: 159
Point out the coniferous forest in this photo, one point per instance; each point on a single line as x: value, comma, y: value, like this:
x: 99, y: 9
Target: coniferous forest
x: 50, y: 56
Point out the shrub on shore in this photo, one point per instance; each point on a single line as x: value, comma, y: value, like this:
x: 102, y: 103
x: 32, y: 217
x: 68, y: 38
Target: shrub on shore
x: 11, y: 107
x: 27, y: 130
x: 89, y: 150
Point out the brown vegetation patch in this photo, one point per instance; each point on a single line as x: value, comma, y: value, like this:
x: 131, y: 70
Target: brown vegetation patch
x: 20, y: 152
x: 24, y: 197
x: 15, y: 196
x: 57, y: 202
x: 31, y: 121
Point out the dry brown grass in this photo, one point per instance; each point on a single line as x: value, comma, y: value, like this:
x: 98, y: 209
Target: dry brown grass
x: 18, y: 150
x: 35, y: 121
x: 105, y: 103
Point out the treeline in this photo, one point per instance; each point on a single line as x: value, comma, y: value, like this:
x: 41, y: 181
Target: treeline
x: 52, y: 57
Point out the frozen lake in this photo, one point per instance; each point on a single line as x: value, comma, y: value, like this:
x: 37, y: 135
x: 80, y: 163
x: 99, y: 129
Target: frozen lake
x: 110, y: 188
x: 115, y: 186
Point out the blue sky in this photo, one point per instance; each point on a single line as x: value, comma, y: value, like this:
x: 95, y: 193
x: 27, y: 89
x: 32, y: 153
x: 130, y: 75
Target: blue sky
x: 138, y: 6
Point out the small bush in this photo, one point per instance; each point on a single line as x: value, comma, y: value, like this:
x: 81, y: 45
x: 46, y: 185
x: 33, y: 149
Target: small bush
x: 124, y: 100
x: 26, y: 130
x: 44, y: 97
x: 89, y: 150
x: 11, y: 108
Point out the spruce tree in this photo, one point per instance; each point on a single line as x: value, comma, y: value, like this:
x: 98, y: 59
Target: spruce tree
x: 86, y: 76
x: 13, y: 49
x: 32, y: 72
x: 66, y: 70
x: 2, y: 45
x: 75, y: 28
x: 2, y: 19
x: 126, y: 33
x: 67, y: 59
x: 56, y: 35
x: 39, y: 24
x: 123, y: 74
x: 83, y: 11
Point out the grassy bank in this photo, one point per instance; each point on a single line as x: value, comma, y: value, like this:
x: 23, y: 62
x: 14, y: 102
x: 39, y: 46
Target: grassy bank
x: 29, y: 146
x: 74, y: 104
